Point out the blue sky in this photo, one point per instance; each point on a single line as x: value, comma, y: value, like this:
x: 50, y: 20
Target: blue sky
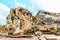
x: 7, y: 4
x: 32, y: 5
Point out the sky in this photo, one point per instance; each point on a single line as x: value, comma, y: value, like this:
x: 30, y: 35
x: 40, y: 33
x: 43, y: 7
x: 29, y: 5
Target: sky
x: 32, y: 5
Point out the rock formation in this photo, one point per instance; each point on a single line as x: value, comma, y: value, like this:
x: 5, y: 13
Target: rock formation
x: 48, y: 17
x: 18, y: 21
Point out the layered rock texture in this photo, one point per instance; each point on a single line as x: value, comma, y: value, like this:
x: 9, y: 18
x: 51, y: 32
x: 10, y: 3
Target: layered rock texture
x: 51, y: 20
x: 19, y: 19
x: 48, y: 17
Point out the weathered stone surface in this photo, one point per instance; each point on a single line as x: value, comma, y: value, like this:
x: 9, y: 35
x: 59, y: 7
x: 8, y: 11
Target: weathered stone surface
x: 19, y: 20
x: 49, y: 17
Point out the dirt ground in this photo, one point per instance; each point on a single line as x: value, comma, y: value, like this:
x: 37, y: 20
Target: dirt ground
x: 43, y: 37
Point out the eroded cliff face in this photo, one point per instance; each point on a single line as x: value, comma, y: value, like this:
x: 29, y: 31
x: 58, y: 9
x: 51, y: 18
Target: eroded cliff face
x: 19, y: 20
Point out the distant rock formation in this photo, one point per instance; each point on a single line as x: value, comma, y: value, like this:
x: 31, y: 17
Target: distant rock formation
x: 48, y: 17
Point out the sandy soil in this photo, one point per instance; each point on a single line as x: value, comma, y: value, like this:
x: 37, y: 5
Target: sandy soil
x: 43, y: 37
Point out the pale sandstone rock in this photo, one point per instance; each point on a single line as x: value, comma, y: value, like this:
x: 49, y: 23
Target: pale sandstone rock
x: 18, y: 19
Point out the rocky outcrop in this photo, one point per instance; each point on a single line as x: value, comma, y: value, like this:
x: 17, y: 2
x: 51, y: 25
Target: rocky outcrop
x: 19, y: 20
x: 48, y: 17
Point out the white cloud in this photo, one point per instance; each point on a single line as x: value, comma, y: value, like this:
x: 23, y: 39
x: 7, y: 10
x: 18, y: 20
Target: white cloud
x: 18, y: 4
x: 31, y: 8
x: 4, y: 10
x: 2, y: 6
x: 2, y: 17
x: 48, y: 5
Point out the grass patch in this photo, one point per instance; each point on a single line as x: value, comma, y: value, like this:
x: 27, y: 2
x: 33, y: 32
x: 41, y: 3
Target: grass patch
x: 2, y: 27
